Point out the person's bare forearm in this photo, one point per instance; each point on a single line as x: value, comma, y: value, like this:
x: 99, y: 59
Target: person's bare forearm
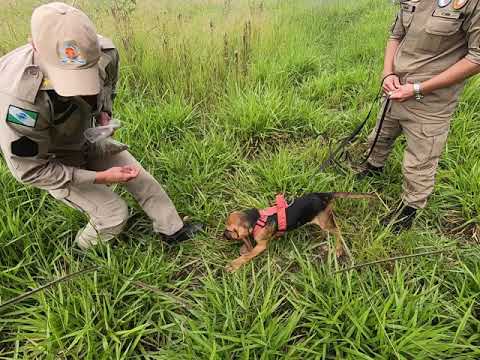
x: 453, y: 75
x: 390, y: 51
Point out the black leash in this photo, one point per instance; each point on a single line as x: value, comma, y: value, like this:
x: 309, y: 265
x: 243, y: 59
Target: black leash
x: 339, y: 150
x: 380, y: 126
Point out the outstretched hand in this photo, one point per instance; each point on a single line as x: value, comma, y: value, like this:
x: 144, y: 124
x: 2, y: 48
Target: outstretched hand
x: 117, y: 175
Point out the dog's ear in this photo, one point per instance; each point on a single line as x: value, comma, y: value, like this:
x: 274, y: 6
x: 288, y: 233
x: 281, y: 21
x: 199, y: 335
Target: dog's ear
x: 251, y: 217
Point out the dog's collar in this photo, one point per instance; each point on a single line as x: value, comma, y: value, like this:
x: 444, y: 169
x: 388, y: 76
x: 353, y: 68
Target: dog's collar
x: 280, y: 210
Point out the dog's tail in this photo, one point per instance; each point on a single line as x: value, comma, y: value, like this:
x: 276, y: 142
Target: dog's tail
x: 350, y: 195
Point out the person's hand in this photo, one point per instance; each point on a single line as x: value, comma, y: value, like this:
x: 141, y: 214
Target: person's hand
x: 390, y: 84
x: 103, y: 119
x: 403, y: 93
x: 117, y: 175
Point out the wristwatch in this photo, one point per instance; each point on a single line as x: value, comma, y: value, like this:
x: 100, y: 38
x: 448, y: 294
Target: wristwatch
x: 417, y: 90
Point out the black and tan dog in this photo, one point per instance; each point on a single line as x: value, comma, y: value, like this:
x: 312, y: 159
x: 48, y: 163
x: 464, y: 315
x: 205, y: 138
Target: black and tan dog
x: 264, y: 225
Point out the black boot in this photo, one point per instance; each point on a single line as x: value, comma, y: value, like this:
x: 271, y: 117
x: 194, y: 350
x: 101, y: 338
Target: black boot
x: 368, y: 170
x: 188, y: 231
x: 400, y: 219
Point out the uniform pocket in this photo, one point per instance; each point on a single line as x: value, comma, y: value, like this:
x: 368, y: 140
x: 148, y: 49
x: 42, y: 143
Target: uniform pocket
x: 442, y: 27
x: 439, y: 33
x: 438, y: 133
x: 435, y: 129
x: 76, y: 197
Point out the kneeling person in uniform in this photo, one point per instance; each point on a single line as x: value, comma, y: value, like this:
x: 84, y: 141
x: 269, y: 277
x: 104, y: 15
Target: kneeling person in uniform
x: 51, y: 91
x: 434, y: 46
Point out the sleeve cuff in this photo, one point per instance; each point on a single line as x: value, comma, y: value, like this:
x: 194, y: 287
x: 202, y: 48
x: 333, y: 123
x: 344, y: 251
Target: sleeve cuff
x: 395, y: 37
x: 474, y: 58
x: 81, y: 176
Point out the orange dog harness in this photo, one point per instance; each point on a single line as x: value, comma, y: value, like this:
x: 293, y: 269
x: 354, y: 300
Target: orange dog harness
x: 280, y: 210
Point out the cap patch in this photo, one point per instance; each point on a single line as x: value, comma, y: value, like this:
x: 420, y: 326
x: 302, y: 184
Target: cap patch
x: 70, y: 54
x: 458, y: 4
x: 444, y: 3
x: 16, y: 115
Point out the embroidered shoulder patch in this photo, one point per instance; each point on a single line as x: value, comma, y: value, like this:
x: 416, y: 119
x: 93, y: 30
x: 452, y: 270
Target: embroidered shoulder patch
x: 22, y: 117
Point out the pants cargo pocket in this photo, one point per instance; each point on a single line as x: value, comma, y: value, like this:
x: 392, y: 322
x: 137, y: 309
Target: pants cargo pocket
x: 75, y: 199
x: 438, y: 133
x: 425, y: 143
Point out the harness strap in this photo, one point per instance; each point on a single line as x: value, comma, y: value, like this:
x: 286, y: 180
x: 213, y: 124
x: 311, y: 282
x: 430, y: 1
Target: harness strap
x: 281, y: 213
x: 280, y: 210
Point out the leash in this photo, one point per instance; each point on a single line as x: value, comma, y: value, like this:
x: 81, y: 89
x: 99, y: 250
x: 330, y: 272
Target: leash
x: 379, y: 130
x: 339, y: 150
x: 48, y: 285
x: 281, y: 205
x: 137, y: 283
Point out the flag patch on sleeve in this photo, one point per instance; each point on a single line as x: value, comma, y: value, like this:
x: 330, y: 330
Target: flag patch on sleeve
x: 22, y: 117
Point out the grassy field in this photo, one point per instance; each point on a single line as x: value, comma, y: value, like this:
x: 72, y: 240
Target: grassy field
x: 228, y: 103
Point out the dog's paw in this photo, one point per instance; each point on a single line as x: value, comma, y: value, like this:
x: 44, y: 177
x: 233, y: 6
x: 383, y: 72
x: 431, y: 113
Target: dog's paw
x: 340, y: 252
x: 322, y: 253
x: 233, y: 266
x: 342, y: 257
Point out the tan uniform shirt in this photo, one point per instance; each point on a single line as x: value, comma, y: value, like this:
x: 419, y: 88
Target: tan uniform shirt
x: 432, y: 39
x: 41, y: 134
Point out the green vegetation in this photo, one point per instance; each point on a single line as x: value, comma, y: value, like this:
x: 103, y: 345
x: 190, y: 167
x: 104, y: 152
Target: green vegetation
x: 228, y: 103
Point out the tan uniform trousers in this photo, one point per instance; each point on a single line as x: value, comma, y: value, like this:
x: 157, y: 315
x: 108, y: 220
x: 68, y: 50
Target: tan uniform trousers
x: 107, y: 211
x: 425, y: 144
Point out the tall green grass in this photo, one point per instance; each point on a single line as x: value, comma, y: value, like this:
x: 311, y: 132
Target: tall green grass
x: 228, y: 103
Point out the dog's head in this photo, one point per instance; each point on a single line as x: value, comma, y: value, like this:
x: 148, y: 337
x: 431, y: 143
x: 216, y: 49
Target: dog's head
x: 240, y: 224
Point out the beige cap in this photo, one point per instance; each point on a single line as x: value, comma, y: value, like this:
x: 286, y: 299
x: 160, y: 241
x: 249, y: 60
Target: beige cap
x: 67, y: 49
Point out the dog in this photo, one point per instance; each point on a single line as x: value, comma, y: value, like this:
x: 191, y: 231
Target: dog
x: 264, y: 225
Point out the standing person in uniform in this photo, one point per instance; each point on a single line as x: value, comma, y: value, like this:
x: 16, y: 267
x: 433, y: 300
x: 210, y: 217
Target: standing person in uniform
x: 433, y: 47
x: 51, y: 91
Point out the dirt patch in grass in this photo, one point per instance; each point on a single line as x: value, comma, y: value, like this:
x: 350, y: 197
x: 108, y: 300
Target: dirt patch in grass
x: 459, y: 228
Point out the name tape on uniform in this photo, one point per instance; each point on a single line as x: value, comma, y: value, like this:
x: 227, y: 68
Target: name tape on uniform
x: 447, y: 14
x: 19, y: 116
